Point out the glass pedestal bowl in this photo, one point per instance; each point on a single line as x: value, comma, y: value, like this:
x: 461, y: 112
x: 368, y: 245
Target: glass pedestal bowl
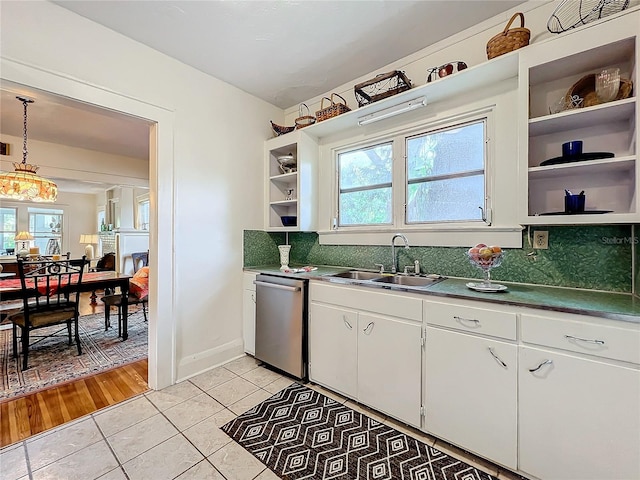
x: 486, y: 263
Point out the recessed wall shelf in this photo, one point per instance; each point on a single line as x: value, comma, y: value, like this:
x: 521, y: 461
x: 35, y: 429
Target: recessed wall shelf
x: 294, y: 193
x: 547, y: 72
x: 589, y: 167
x: 583, y: 117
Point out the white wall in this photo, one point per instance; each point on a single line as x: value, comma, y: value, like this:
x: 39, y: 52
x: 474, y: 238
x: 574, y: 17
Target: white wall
x: 211, y: 157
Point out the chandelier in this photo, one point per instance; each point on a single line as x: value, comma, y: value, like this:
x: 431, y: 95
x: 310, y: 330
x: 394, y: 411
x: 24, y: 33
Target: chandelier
x: 24, y: 183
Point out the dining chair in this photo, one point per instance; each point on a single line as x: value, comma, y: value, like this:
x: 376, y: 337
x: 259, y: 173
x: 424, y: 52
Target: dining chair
x: 137, y: 295
x: 50, y: 296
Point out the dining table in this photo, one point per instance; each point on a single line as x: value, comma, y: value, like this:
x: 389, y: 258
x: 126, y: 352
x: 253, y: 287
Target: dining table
x: 11, y: 289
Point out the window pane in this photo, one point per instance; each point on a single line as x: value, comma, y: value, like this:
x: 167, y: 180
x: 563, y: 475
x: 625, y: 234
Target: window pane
x: 365, y: 183
x: 445, y: 174
x: 366, y: 207
x: 447, y: 151
x: 365, y: 167
x: 47, y: 230
x: 7, y: 229
x: 453, y: 199
x: 143, y: 215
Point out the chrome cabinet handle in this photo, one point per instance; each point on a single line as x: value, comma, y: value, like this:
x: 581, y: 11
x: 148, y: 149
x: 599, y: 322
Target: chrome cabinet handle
x: 571, y: 337
x: 368, y: 328
x: 546, y: 362
x: 346, y: 322
x: 498, y: 359
x: 462, y: 319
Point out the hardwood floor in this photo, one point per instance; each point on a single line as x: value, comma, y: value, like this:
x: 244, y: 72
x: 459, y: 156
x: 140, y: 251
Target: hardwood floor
x: 28, y: 415
x: 34, y: 413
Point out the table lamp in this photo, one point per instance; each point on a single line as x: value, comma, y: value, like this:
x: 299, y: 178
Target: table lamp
x: 24, y: 238
x: 90, y: 239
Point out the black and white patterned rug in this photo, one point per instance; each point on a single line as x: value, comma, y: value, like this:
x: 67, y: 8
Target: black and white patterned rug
x: 301, y: 434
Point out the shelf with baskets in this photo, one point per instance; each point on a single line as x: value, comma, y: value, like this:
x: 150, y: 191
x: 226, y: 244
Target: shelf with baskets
x: 557, y: 82
x: 468, y: 80
x: 291, y: 177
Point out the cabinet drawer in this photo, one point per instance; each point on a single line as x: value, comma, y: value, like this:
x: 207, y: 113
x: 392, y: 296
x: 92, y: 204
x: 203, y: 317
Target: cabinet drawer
x: 590, y: 336
x: 368, y: 300
x: 481, y: 321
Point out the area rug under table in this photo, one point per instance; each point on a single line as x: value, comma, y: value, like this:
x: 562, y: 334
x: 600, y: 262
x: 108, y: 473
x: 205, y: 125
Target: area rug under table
x: 53, y: 361
x: 301, y: 434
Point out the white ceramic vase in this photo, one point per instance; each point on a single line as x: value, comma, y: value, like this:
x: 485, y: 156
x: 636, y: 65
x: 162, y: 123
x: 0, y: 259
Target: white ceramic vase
x: 284, y: 256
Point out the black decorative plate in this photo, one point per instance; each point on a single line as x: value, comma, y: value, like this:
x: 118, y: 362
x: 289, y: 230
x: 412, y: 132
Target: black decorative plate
x: 586, y: 212
x: 578, y: 158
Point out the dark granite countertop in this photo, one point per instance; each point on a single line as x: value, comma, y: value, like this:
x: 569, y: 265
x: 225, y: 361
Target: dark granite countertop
x: 616, y: 306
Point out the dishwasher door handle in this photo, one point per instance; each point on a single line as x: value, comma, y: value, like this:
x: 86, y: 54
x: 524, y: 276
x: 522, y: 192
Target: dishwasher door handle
x: 276, y: 285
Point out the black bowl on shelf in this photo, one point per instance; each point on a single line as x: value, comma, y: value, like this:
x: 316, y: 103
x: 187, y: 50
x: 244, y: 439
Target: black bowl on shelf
x: 289, y: 220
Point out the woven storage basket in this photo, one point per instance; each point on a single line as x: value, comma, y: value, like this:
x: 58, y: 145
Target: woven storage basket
x: 381, y: 86
x: 509, y: 39
x: 281, y: 130
x: 585, y: 88
x: 304, y: 120
x: 332, y: 110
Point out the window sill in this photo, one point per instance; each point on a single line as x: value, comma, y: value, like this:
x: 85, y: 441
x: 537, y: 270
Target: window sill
x: 440, y: 236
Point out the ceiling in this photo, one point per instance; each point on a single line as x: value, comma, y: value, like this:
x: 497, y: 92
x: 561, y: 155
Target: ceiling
x: 286, y: 52
x: 56, y: 119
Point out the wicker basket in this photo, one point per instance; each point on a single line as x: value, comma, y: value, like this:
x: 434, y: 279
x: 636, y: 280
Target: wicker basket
x: 381, y: 86
x: 509, y: 39
x: 333, y: 110
x: 585, y: 88
x: 304, y: 120
x: 281, y: 130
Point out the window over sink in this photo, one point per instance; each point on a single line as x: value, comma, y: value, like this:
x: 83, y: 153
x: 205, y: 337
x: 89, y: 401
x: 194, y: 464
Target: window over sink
x: 434, y: 174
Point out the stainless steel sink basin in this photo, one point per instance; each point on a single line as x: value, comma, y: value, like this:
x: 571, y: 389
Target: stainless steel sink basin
x: 357, y: 275
x: 408, y: 281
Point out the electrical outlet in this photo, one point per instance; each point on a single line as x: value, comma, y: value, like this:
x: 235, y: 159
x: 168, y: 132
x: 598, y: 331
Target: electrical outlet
x: 541, y: 239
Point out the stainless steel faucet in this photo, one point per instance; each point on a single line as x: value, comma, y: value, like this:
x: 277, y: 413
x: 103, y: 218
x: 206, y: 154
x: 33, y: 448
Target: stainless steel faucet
x: 394, y: 260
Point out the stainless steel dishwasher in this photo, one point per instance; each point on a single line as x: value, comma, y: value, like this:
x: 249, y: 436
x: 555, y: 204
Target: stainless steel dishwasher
x: 281, y: 323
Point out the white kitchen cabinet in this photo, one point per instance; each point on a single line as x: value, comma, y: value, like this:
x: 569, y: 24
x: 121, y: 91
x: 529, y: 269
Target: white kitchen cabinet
x: 546, y: 73
x: 579, y: 397
x: 471, y: 380
x: 291, y: 193
x: 249, y: 312
x: 367, y: 345
x: 333, y: 348
x: 389, y: 366
x: 578, y: 418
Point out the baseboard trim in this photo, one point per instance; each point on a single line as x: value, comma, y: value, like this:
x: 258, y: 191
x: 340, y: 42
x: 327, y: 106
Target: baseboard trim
x: 195, y: 364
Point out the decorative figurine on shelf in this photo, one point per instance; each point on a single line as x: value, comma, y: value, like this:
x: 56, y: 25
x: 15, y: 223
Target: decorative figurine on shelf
x: 289, y: 195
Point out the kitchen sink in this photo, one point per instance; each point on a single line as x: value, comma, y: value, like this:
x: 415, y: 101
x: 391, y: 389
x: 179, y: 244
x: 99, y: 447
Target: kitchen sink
x: 357, y: 275
x: 408, y: 281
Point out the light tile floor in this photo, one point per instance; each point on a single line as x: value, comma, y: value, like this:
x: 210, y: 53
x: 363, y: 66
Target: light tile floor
x: 173, y: 434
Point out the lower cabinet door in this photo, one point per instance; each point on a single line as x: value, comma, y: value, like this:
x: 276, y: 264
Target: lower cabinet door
x: 249, y: 320
x: 579, y: 418
x: 389, y: 366
x: 333, y: 348
x: 471, y: 393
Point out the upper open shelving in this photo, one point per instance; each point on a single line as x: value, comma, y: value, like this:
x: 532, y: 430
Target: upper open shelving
x: 479, y: 76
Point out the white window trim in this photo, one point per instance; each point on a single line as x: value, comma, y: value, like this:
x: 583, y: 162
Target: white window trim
x: 141, y: 199
x: 448, y: 234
